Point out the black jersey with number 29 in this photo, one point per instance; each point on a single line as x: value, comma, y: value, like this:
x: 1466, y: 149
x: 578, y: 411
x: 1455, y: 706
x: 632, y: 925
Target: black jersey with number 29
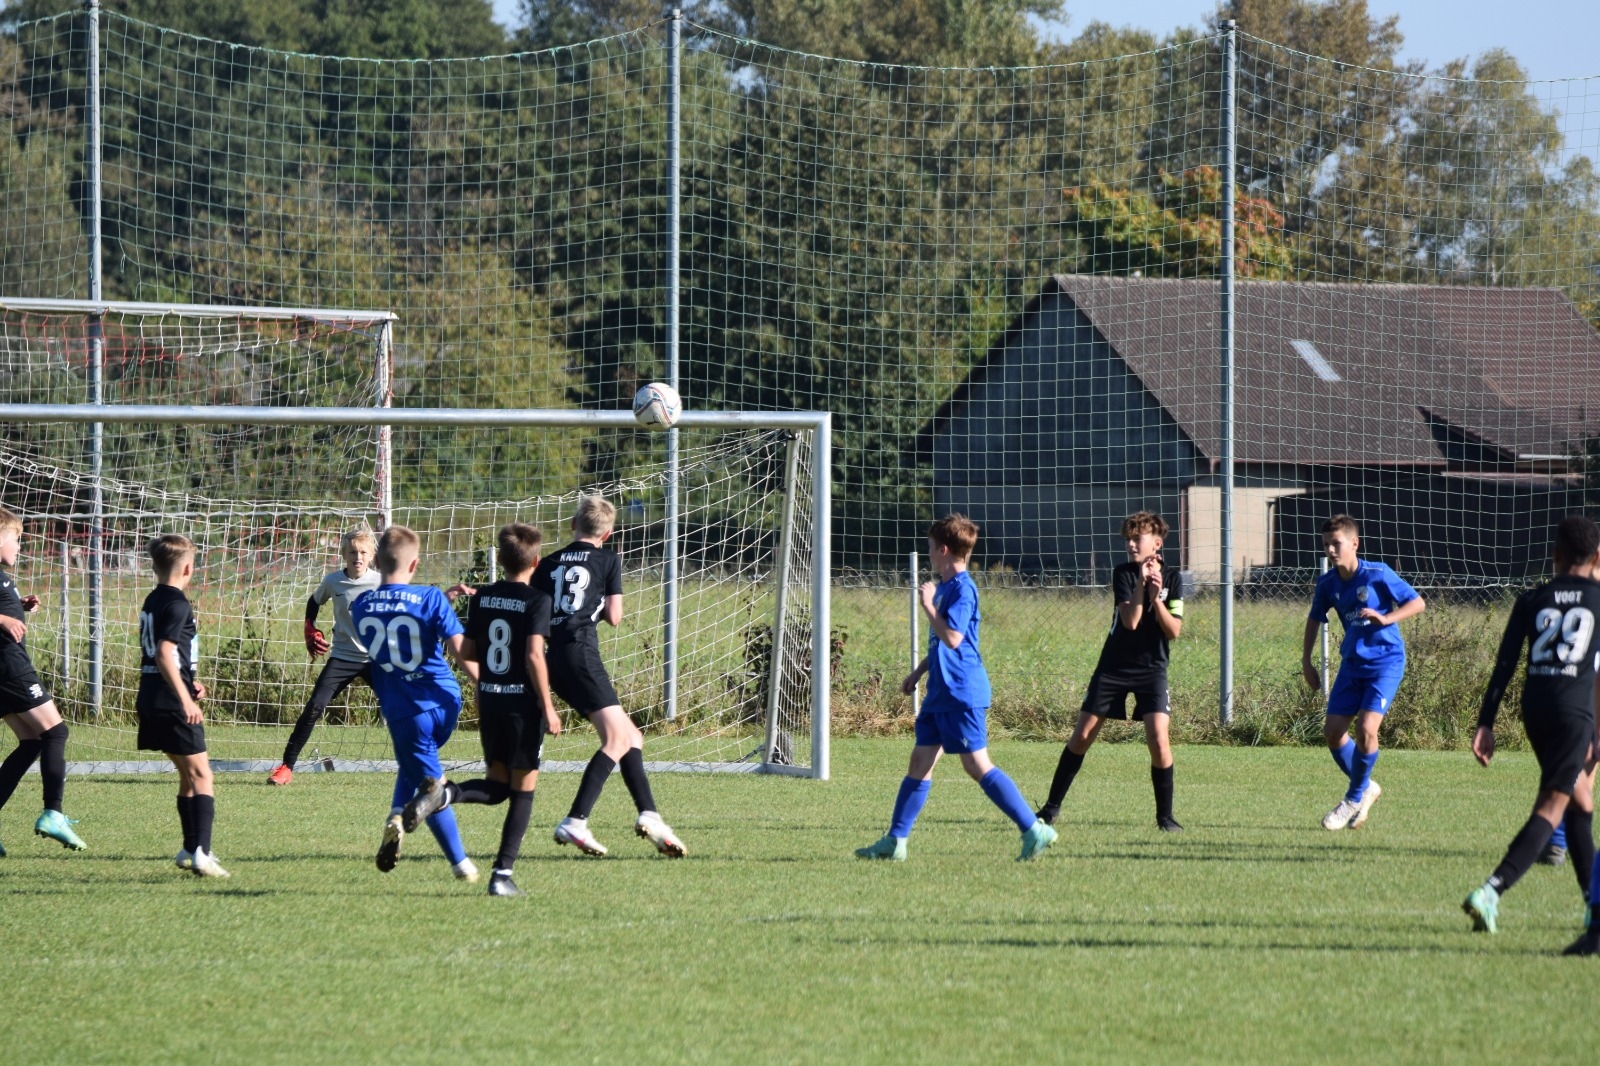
x: 500, y: 619
x: 1557, y: 623
x: 578, y: 578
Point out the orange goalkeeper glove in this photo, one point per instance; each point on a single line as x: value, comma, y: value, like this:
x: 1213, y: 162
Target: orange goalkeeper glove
x: 316, y: 643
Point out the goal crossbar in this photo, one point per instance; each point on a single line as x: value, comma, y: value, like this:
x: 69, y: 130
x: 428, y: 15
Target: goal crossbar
x: 817, y: 424
x: 136, y: 309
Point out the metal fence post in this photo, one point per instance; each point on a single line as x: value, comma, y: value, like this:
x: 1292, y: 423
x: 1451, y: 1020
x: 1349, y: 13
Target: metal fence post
x: 97, y: 360
x: 1229, y: 178
x: 670, y: 591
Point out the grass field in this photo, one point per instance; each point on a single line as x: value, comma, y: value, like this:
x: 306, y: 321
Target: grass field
x: 1253, y: 936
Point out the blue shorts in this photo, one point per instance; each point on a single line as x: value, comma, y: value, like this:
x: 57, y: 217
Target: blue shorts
x: 1354, y: 692
x: 956, y: 731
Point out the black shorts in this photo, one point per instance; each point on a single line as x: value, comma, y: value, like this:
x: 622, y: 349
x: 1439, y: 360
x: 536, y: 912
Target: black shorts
x: 578, y: 677
x: 511, y: 729
x: 1108, y: 695
x: 22, y: 691
x: 166, y: 731
x: 1561, y: 744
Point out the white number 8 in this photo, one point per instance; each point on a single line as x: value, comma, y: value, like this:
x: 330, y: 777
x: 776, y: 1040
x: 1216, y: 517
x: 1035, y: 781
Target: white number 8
x: 499, y: 647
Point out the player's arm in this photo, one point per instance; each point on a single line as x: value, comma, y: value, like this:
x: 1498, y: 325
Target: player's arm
x: 1307, y: 670
x: 316, y: 642
x: 452, y: 644
x: 167, y: 664
x: 15, y: 628
x: 909, y: 685
x: 612, y: 612
x: 947, y: 634
x: 1171, y: 624
x: 1130, y: 593
x: 1505, y: 666
x: 540, y: 672
x: 1409, y: 609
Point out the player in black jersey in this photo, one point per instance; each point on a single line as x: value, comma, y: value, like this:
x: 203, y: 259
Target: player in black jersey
x: 168, y: 704
x: 26, y: 705
x: 508, y: 624
x: 1147, y: 617
x: 584, y: 582
x: 1557, y: 623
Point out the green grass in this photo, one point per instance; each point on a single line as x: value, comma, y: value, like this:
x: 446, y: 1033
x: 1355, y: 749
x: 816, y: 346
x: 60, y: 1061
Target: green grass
x: 1254, y: 936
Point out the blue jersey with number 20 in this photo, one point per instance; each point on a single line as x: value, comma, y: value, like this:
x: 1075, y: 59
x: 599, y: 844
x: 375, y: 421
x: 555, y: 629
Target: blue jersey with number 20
x: 402, y: 627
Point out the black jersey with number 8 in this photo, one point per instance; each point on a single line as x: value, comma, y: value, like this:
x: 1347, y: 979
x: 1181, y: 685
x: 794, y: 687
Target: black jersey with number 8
x: 578, y: 578
x: 1556, y: 621
x: 500, y: 619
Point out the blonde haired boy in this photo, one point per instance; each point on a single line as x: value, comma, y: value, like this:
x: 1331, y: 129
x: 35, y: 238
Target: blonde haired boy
x: 347, y: 655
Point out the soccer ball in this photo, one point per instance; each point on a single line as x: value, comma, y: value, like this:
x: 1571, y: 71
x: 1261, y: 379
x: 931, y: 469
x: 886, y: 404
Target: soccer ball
x: 657, y: 406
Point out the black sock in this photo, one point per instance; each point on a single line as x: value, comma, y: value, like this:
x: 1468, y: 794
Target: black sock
x: 16, y: 764
x: 1580, y: 845
x: 186, y: 819
x: 302, y: 731
x: 632, y: 767
x: 594, y: 779
x: 1067, y: 769
x: 1161, y: 781
x: 1524, y: 850
x: 518, y: 814
x: 53, y: 765
x: 481, y: 790
x: 205, y: 811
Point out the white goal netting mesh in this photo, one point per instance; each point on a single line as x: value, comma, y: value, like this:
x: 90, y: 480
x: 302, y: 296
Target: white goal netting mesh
x: 266, y: 505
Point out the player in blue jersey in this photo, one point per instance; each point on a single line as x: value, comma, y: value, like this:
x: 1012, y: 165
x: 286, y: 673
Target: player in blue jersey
x: 954, y: 712
x: 1371, y: 600
x: 405, y: 629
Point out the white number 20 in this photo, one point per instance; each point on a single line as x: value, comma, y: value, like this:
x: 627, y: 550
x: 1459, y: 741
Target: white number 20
x: 375, y: 635
x: 1575, y: 627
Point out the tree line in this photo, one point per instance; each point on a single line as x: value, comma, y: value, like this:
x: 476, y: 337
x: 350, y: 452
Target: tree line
x: 856, y: 231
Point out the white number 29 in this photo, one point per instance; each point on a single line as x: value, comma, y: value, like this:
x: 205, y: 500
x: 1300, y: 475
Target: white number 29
x: 1574, y: 627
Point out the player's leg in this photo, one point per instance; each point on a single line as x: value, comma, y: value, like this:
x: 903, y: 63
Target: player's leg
x: 1555, y: 852
x: 1588, y: 943
x: 966, y: 735
x: 519, y: 812
x: 195, y: 779
x: 1578, y: 826
x: 429, y: 731
x: 912, y: 796
x: 336, y: 676
x: 1153, y: 710
x: 394, y: 832
x: 1561, y: 745
x: 15, y: 764
x: 1344, y: 704
x: 649, y: 824
x: 1090, y: 718
x: 614, y: 743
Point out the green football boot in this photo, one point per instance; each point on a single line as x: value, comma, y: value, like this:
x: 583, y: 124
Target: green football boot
x: 57, y: 826
x: 890, y: 847
x: 1481, y: 906
x: 1038, y: 837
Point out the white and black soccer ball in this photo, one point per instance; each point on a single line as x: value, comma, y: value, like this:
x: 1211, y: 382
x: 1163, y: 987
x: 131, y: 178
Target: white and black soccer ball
x: 657, y: 406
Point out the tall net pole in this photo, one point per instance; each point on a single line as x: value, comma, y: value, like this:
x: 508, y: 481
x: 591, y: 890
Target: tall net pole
x: 1229, y: 64
x: 669, y: 606
x: 97, y: 360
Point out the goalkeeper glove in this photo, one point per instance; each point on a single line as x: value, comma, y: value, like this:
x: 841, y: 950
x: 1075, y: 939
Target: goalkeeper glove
x: 316, y: 643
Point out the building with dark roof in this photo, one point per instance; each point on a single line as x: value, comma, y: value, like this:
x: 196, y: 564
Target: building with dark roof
x: 1448, y: 420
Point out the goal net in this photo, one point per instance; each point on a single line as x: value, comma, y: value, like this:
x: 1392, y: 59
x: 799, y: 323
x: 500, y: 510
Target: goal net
x: 272, y: 439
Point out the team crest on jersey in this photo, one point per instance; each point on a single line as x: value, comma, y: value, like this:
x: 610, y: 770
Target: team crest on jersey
x: 1362, y: 594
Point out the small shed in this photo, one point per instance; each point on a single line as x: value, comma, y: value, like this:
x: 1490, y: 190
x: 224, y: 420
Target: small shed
x: 1451, y: 421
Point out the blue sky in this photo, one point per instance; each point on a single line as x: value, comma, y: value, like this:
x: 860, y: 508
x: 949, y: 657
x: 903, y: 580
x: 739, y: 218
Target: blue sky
x: 1552, y: 38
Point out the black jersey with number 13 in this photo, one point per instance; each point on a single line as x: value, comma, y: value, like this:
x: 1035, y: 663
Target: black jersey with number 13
x: 1557, y: 623
x: 578, y: 578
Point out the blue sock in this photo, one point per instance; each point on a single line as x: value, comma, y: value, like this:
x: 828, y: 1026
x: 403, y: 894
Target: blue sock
x: 403, y: 790
x: 1361, y: 774
x: 1594, y: 881
x: 1345, y: 756
x: 1002, y: 792
x: 1558, y: 839
x: 907, y: 805
x: 443, y: 826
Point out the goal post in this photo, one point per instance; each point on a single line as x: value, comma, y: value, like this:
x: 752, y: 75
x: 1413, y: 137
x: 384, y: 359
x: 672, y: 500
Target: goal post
x: 754, y: 642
